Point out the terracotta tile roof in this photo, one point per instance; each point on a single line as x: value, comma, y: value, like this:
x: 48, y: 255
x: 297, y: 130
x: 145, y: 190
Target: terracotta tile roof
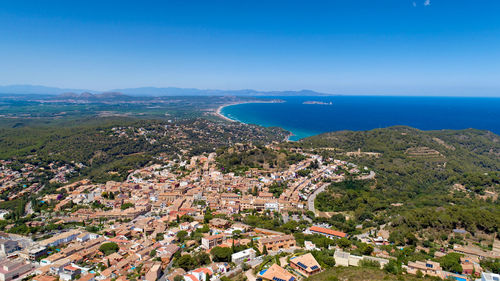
x: 327, y: 231
x: 306, y: 262
x: 277, y: 272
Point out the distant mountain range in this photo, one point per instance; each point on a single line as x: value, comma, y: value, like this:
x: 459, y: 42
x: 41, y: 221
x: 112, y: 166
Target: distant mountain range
x: 90, y: 96
x: 147, y: 91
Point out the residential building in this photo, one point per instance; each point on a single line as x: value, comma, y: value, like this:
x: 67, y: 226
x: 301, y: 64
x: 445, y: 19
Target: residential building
x: 62, y: 238
x: 306, y: 265
x: 13, y: 269
x: 243, y: 256
x: 69, y: 272
x: 154, y: 273
x: 486, y: 276
x: 430, y: 268
x: 276, y: 243
x: 209, y: 242
x: 330, y: 233
x: 276, y: 273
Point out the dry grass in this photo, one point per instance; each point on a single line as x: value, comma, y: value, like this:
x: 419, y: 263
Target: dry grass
x: 359, y: 273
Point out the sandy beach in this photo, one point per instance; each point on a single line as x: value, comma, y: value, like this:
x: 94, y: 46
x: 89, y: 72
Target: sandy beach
x: 219, y: 109
x: 218, y: 112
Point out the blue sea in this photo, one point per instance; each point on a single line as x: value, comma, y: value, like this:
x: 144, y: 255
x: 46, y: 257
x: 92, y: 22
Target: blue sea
x: 368, y: 112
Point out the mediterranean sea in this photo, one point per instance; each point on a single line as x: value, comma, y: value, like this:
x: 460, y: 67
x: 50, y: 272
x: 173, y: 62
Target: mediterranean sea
x: 357, y: 113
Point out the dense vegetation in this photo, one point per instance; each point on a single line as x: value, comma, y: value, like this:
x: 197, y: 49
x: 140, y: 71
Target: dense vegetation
x: 241, y: 158
x: 109, y: 148
x: 437, y: 180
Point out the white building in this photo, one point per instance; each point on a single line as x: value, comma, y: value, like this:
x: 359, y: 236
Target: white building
x: 243, y: 256
x: 489, y: 277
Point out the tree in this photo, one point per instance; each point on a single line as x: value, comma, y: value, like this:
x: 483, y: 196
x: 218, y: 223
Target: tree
x: 181, y: 235
x: 366, y: 249
x: 344, y: 243
x: 203, y: 258
x: 208, y: 216
x: 127, y: 205
x: 393, y: 267
x: 264, y: 252
x: 159, y: 236
x: 492, y: 265
x: 451, y: 262
x: 237, y: 234
x: 186, y: 262
x: 324, y: 258
x: 109, y: 248
x: 221, y: 254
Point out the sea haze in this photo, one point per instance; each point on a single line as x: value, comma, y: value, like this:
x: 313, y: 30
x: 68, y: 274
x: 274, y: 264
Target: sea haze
x: 365, y: 113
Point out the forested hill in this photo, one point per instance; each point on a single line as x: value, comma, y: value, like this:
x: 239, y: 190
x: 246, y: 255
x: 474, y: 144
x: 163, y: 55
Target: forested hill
x: 464, y: 150
x: 433, y: 180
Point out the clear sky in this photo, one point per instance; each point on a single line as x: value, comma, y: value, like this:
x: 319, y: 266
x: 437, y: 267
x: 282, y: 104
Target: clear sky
x: 406, y: 47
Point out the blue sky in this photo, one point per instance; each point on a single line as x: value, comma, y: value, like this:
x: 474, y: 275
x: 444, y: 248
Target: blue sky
x: 392, y: 47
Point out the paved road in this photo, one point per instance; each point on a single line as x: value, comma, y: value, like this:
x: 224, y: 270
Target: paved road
x: 312, y: 197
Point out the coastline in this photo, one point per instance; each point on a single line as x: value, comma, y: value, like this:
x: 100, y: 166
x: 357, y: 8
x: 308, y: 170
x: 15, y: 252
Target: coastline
x: 218, y: 112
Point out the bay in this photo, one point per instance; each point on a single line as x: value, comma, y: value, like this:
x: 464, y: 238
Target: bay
x: 303, y: 119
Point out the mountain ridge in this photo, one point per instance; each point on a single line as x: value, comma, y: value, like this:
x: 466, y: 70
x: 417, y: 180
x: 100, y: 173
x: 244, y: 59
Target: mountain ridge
x: 153, y: 91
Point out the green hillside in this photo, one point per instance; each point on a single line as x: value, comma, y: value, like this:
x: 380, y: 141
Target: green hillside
x: 426, y: 180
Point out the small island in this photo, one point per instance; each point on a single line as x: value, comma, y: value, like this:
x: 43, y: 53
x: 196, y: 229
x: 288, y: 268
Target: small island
x: 318, y: 102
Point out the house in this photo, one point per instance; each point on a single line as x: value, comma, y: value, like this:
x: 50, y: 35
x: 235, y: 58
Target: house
x: 88, y: 277
x: 220, y: 223
x: 199, y: 274
x: 243, y: 256
x: 272, y: 206
x: 45, y: 278
x: 430, y: 268
x: 470, y: 266
x: 175, y: 272
x: 276, y: 273
x: 309, y: 246
x: 489, y: 277
x: 474, y: 251
x: 306, y: 265
x: 62, y: 238
x: 37, y: 252
x: 154, y: 273
x: 83, y: 237
x: 191, y: 277
x: 330, y: 233
x: 69, y: 272
x: 12, y: 269
x: 209, y: 242
x: 276, y: 243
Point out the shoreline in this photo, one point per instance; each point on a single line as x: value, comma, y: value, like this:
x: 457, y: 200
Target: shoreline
x: 218, y: 111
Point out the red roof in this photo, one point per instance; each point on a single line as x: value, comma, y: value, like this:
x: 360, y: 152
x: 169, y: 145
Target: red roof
x: 204, y: 270
x: 194, y: 278
x: 328, y: 231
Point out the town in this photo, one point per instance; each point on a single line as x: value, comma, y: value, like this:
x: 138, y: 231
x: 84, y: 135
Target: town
x: 193, y: 219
